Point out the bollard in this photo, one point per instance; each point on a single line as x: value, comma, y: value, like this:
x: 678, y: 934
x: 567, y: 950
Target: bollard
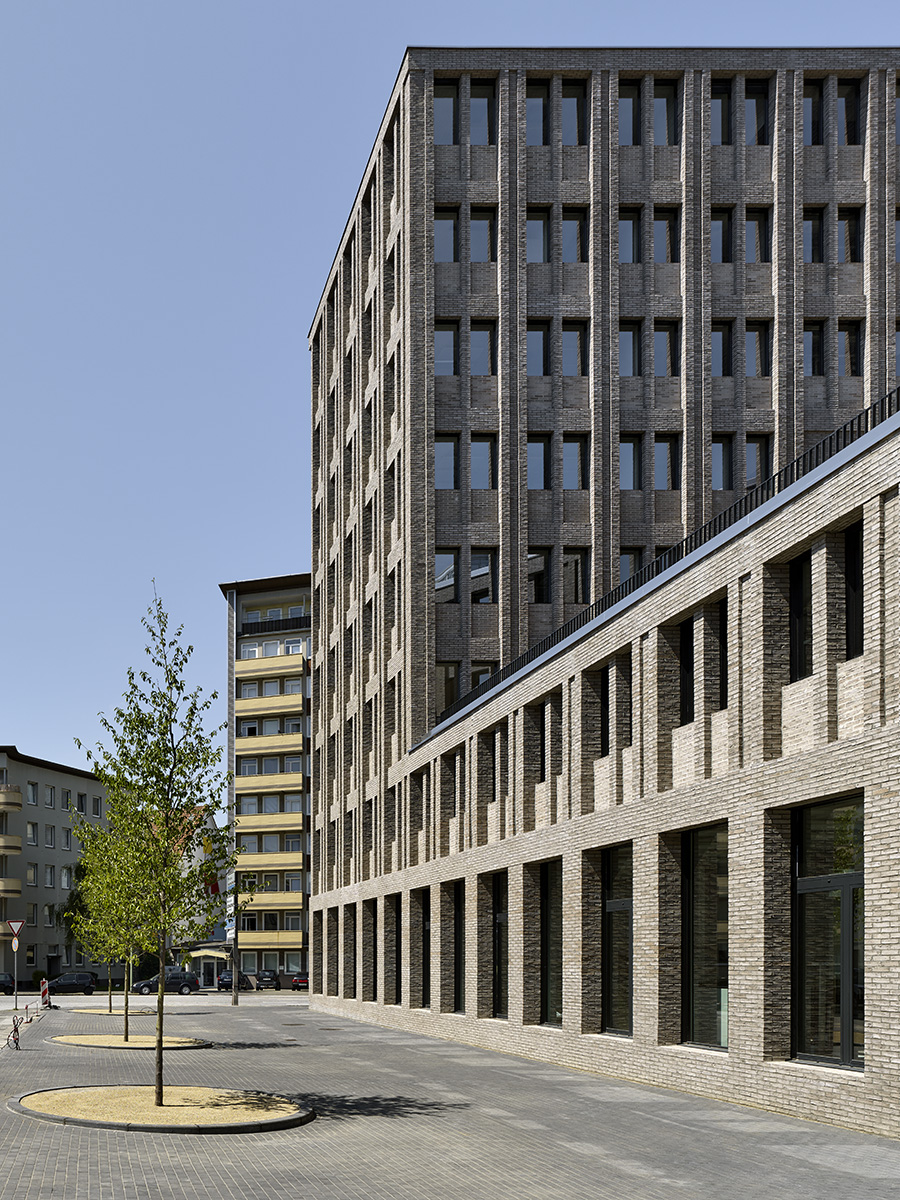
x: 45, y: 994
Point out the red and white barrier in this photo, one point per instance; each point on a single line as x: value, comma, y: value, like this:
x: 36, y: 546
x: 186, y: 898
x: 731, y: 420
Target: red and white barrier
x: 45, y: 994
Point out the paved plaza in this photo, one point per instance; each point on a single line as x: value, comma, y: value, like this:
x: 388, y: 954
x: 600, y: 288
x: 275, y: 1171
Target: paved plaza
x: 403, y: 1117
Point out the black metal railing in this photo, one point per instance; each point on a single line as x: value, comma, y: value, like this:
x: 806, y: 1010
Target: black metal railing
x: 250, y: 628
x: 820, y: 453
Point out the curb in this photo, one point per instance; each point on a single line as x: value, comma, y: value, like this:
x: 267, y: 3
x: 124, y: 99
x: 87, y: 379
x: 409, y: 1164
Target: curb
x: 195, y: 1044
x: 290, y: 1122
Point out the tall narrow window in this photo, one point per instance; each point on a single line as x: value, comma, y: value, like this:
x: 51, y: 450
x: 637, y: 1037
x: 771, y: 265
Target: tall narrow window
x: 483, y: 576
x: 575, y: 461
x: 829, y: 965
x: 705, y: 936
x: 814, y: 348
x: 849, y: 247
x: 574, y: 348
x: 445, y: 114
x: 630, y: 113
x: 813, y: 235
x: 482, y: 349
x: 686, y: 671
x: 629, y: 235
x: 758, y: 242
x: 853, y: 588
x: 576, y: 587
x: 720, y: 235
x: 574, y: 132
x: 425, y: 914
x: 721, y: 464
x: 537, y: 236
x: 800, y: 617
x: 665, y: 114
x: 482, y: 119
x: 483, y: 462
x: 722, y: 635
x: 630, y: 561
x: 574, y: 235
x: 618, y: 874
x: 446, y: 685
x: 756, y: 112
x: 630, y: 464
x: 848, y: 122
x: 446, y: 348
x: 446, y: 242
x: 758, y: 466
x: 630, y: 348
x: 446, y: 461
x: 551, y: 942
x: 665, y: 235
x: 446, y: 576
x: 459, y: 945
x: 538, y: 576
x: 499, y: 945
x: 482, y: 235
x: 721, y: 348
x: 720, y: 112
x: 812, y: 113
x: 539, y: 463
x: 666, y: 357
x: 537, y: 101
x: 538, y: 350
x: 757, y: 354
x: 667, y: 463
x: 850, y: 347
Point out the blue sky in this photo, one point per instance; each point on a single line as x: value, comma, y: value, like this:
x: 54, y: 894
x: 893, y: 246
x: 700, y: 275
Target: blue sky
x: 174, y: 178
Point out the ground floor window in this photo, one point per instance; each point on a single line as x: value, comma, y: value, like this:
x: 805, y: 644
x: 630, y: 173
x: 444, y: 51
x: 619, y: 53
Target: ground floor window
x: 551, y: 942
x: 270, y: 960
x: 705, y: 936
x: 828, y: 932
x: 248, y: 962
x: 291, y: 964
x: 500, y: 944
x: 459, y: 945
x: 617, y: 939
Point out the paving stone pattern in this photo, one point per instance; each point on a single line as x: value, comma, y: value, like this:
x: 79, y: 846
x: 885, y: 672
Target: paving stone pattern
x: 404, y: 1116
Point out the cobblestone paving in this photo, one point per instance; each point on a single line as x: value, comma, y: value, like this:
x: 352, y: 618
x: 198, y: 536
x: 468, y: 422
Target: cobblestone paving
x: 406, y: 1118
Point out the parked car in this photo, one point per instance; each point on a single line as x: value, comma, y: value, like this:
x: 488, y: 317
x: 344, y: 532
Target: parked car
x: 74, y: 981
x: 184, y: 982
x: 7, y: 983
x: 225, y: 982
x: 298, y: 982
x: 268, y: 979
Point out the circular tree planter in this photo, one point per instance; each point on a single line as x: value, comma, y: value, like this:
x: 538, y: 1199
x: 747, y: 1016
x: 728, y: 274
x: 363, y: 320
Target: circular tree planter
x: 185, y: 1109
x: 115, y: 1041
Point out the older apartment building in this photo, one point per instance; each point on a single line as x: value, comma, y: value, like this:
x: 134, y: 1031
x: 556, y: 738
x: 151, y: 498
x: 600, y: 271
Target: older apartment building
x: 584, y: 301
x: 269, y: 756
x: 38, y: 852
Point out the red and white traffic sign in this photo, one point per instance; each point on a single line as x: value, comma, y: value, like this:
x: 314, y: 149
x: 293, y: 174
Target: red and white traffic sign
x: 16, y: 927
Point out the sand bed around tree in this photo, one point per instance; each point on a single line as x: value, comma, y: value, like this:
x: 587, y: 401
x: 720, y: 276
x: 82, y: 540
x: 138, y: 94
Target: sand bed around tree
x: 185, y: 1109
x: 136, y: 1041
x: 116, y: 1012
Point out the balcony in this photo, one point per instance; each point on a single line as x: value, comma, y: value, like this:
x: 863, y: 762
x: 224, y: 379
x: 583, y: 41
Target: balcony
x: 271, y: 939
x: 284, y: 781
x: 275, y: 664
x: 10, y: 887
x: 290, y: 625
x: 292, y: 703
x: 277, y: 860
x: 282, y: 901
x: 10, y: 797
x: 265, y: 822
x: 10, y: 843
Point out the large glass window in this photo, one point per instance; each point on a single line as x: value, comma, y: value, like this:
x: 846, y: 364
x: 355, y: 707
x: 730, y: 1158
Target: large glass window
x: 666, y: 357
x: 483, y: 462
x: 848, y: 122
x: 483, y: 576
x: 537, y: 350
x: 720, y: 235
x: 630, y: 113
x: 630, y: 464
x: 482, y: 119
x: 721, y: 349
x: 482, y: 349
x: 665, y: 235
x: 446, y: 241
x: 665, y: 113
x: 537, y: 236
x: 574, y: 235
x: 758, y: 231
x: 617, y: 939
x: 446, y: 353
x: 812, y: 114
x: 853, y: 588
x: 445, y: 114
x: 539, y: 464
x: 574, y: 348
x: 828, y: 932
x: 721, y: 464
x: 446, y: 461
x: 574, y: 132
x: 630, y: 348
x: 537, y: 101
x: 720, y: 112
x: 667, y: 463
x: 705, y: 936
x: 629, y: 235
x: 482, y: 235
x: 459, y: 945
x: 575, y: 461
x: 551, y: 942
x: 756, y: 112
x: 446, y: 576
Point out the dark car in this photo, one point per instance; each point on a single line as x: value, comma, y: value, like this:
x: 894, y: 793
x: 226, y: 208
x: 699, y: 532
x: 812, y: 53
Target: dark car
x: 184, y: 982
x: 7, y: 983
x: 74, y: 981
x: 268, y: 979
x: 225, y: 982
x: 298, y: 982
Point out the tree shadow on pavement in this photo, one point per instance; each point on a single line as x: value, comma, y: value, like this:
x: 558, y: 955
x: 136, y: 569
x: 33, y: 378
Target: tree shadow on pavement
x: 254, y: 1046
x: 343, y: 1108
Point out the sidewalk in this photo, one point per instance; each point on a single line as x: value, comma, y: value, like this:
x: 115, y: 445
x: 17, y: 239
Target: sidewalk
x: 403, y: 1117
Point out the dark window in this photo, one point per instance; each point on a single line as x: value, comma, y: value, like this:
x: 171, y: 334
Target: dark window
x: 539, y: 463
x: 758, y: 236
x: 537, y: 102
x: 576, y: 586
x: 425, y: 916
x: 446, y: 461
x: 446, y: 132
x: 813, y: 348
x: 850, y: 348
x: 459, y: 945
x: 630, y: 348
x: 604, y: 711
x: 758, y: 467
x: 482, y: 115
x: 537, y: 236
x: 829, y: 967
x: 630, y: 558
x: 848, y: 122
x: 758, y: 349
x: 446, y: 685
x: 617, y: 939
x: 665, y: 235
x: 551, y: 942
x: 395, y: 904
x: 482, y: 671
x: 849, y: 247
x: 483, y: 462
x: 574, y: 348
x: 499, y: 945
x: 667, y: 463
x: 721, y: 349
x: 575, y: 462
x: 574, y: 132
x: 629, y: 235
x: 446, y: 242
x: 756, y: 113
x: 630, y: 464
x: 686, y: 671
x: 538, y: 341
x: 630, y: 113
x: 665, y: 113
x: 666, y: 358
x: 705, y: 943
x: 538, y: 576
x: 720, y: 235
x: 853, y: 588
x: 722, y: 634
x: 722, y: 480
x: 800, y: 606
x: 446, y: 348
x: 813, y: 235
x: 446, y: 576
x: 720, y: 112
x: 482, y: 349
x: 812, y: 114
x: 574, y: 235
x: 482, y: 235
x: 483, y: 576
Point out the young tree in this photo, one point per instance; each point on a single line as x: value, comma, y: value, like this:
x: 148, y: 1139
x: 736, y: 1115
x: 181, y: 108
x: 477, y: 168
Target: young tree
x: 163, y: 786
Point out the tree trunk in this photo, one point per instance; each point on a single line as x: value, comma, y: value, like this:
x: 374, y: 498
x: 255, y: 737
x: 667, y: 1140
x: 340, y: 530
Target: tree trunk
x: 160, y: 996
x: 109, y: 981
x: 125, y: 990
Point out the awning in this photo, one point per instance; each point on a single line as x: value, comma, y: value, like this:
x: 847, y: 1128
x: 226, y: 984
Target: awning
x: 209, y: 954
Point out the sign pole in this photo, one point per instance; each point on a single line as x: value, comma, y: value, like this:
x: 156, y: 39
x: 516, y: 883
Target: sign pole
x: 16, y: 927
